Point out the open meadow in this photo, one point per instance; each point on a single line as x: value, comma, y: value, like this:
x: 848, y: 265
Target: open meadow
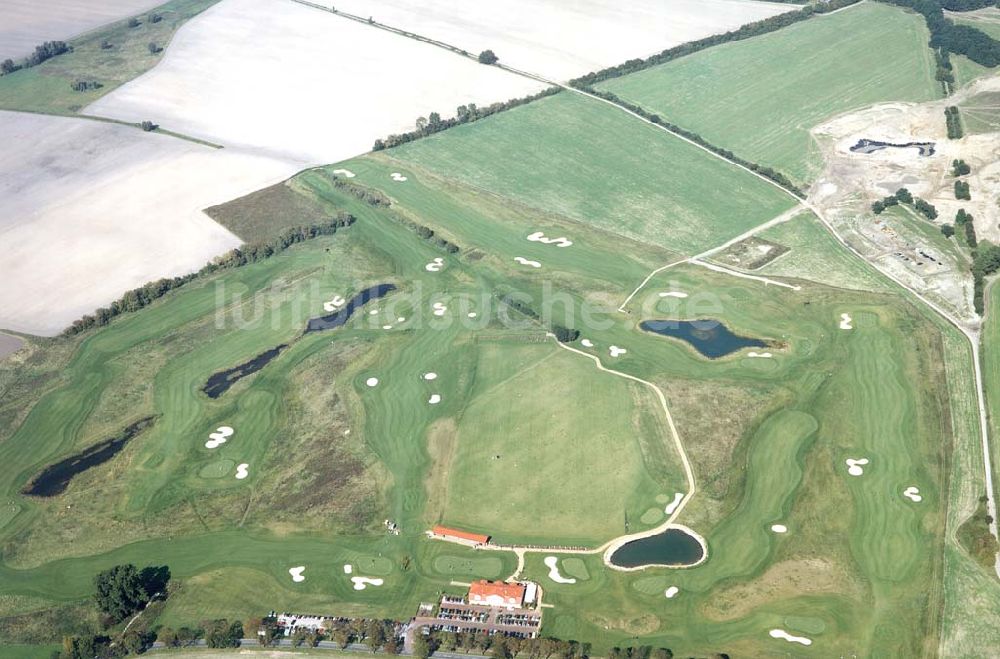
x: 760, y: 97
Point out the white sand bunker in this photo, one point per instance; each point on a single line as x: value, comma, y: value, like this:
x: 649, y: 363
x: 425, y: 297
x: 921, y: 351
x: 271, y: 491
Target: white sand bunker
x: 241, y: 471
x: 296, y: 573
x: 372, y: 382
x: 373, y: 312
x: 346, y: 173
x: 673, y: 294
x: 435, y: 265
x: 586, y: 343
x: 615, y: 351
x: 387, y: 327
x: 360, y: 583
x: 219, y: 437
x: 763, y: 355
x: 401, y: 319
x: 472, y: 314
x: 539, y: 237
x: 552, y: 563
x: 845, y: 321
x: 781, y: 633
x: 671, y: 592
x: 913, y: 494
x: 779, y: 528
x: 439, y: 308
x: 672, y: 506
x: 334, y: 304
x: 856, y: 467
x: 524, y: 261
x: 396, y: 176
x: 431, y: 375
x: 434, y: 399
x: 348, y: 568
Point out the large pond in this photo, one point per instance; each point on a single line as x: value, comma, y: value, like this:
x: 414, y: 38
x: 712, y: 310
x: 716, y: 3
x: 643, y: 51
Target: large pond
x: 672, y: 548
x: 220, y: 382
x: 54, y: 479
x: 866, y: 147
x: 709, y: 337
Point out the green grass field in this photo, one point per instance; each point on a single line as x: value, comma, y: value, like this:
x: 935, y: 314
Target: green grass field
x: 48, y: 86
x: 760, y: 97
x: 592, y: 163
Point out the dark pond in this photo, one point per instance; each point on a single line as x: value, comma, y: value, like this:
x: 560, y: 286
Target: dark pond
x: 673, y: 547
x: 55, y: 478
x: 871, y: 146
x: 340, y: 317
x: 220, y: 382
x: 709, y: 337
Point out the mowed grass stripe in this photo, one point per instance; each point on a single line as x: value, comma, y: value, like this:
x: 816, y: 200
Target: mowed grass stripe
x: 591, y: 162
x: 761, y: 96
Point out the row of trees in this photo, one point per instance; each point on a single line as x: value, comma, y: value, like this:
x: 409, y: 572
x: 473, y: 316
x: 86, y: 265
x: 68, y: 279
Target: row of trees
x: 464, y: 114
x: 367, y: 195
x: 102, y: 646
x: 964, y: 221
x: 745, y: 32
x: 986, y: 261
x: 428, y: 234
x: 763, y: 170
x: 954, y: 122
x: 46, y: 51
x: 967, y: 5
x: 958, y: 39
x: 138, y: 298
x: 904, y: 196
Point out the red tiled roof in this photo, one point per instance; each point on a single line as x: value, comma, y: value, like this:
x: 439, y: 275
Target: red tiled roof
x: 507, y: 591
x: 462, y: 535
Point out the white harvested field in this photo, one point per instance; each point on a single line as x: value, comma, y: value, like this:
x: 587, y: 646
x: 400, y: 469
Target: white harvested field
x: 560, y: 39
x: 91, y: 209
x: 27, y: 23
x: 299, y: 83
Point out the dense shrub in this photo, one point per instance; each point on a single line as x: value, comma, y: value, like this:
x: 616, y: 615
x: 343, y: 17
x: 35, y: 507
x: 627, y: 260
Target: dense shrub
x: 488, y: 57
x: 962, y: 191
x: 953, y: 122
x: 960, y: 168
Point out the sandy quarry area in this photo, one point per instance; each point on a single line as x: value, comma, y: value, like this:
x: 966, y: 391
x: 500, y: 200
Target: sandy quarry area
x: 852, y: 181
x: 90, y: 209
x: 27, y: 23
x: 300, y: 84
x: 559, y: 39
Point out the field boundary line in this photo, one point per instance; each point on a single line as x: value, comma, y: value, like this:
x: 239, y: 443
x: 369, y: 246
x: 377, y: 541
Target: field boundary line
x: 743, y: 275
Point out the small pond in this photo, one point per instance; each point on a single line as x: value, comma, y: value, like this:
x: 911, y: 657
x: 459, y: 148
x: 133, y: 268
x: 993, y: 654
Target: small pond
x: 672, y: 548
x: 340, y: 317
x: 871, y: 146
x: 709, y: 337
x: 55, y: 478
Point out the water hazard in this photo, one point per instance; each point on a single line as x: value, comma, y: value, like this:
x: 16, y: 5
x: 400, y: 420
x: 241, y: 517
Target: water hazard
x: 672, y: 548
x: 709, y: 337
x: 871, y: 146
x: 221, y: 381
x: 54, y: 479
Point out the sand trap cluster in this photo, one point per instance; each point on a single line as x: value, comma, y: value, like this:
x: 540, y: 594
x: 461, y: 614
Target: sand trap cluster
x: 539, y: 237
x: 672, y: 506
x: 346, y: 173
x: 913, y: 494
x: 435, y: 265
x: 396, y: 176
x: 296, y: 573
x: 434, y: 399
x: 671, y: 592
x: 372, y: 382
x: 779, y: 528
x: 439, y: 308
x: 762, y: 355
x: 673, y: 294
x: 845, y: 321
x: 241, y: 471
x: 552, y: 563
x: 856, y: 467
x: 615, y: 351
x: 219, y: 437
x: 524, y: 261
x: 348, y: 568
x: 781, y: 633
x: 586, y: 343
x: 335, y: 303
x: 360, y: 583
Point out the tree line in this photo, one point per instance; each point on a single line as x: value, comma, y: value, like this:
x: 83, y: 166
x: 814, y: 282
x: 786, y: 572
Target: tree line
x: 765, y: 171
x: 43, y: 52
x: 464, y: 114
x: 143, y: 296
x: 957, y: 39
x: 953, y: 122
x: 904, y: 196
x: 967, y: 5
x: 747, y: 31
x: 367, y: 195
